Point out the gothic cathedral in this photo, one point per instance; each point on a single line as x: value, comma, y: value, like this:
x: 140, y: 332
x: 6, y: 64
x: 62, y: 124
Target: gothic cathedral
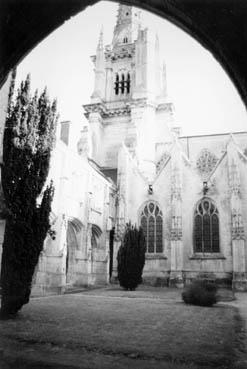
x: 189, y: 194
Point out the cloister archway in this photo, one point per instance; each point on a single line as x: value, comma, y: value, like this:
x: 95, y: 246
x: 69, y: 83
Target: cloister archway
x: 219, y: 26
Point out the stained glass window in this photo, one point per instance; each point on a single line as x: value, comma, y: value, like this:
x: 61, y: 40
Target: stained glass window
x: 151, y: 225
x: 151, y: 221
x: 206, y: 162
x: 206, y: 227
x: 159, y: 224
x: 198, y: 233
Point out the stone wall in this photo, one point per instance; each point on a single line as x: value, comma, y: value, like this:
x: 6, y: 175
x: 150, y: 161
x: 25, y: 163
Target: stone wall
x: 81, y: 202
x: 219, y: 266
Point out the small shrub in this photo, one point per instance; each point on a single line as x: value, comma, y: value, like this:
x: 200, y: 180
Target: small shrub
x: 200, y: 292
x: 131, y: 258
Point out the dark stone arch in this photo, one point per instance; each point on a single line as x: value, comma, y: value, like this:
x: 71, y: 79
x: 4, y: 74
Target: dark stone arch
x: 74, y: 227
x: 75, y: 223
x: 96, y: 230
x: 220, y: 26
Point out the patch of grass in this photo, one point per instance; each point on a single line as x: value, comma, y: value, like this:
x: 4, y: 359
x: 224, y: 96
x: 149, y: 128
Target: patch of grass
x: 156, y: 332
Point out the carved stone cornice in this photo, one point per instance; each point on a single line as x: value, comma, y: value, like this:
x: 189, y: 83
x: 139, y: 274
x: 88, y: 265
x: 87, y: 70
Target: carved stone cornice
x: 118, y: 111
x: 120, y: 52
x: 120, y: 55
x: 143, y: 102
x: 167, y: 107
x: 104, y: 111
x: 94, y: 108
x: 139, y: 103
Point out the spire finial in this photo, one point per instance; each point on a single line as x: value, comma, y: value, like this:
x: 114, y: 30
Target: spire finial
x: 164, y: 81
x: 126, y: 27
x: 100, y: 43
x: 157, y: 39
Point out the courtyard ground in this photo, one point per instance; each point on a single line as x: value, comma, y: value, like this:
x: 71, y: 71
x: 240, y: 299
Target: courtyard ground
x: 111, y: 328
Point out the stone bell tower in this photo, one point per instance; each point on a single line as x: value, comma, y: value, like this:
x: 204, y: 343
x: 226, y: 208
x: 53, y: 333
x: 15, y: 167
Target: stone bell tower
x: 129, y: 103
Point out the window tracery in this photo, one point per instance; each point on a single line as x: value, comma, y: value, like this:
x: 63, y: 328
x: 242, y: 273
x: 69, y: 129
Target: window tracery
x: 151, y: 221
x: 206, y: 162
x: 206, y: 227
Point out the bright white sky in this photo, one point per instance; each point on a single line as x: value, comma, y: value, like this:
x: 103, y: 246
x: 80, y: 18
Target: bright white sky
x: 205, y: 99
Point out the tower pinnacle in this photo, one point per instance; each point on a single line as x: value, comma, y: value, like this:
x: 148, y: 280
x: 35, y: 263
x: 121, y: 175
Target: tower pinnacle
x: 128, y: 20
x: 100, y: 43
x: 164, y: 80
x: 99, y: 61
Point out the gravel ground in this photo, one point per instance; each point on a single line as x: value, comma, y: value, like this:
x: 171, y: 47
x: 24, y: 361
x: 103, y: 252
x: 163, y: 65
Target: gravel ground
x: 111, y: 328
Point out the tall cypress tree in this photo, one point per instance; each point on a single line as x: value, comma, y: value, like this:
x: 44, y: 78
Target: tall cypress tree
x: 131, y: 257
x: 28, y: 141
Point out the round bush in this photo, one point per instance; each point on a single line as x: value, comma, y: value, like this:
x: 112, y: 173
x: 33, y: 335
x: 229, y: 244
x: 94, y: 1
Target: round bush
x: 201, y: 293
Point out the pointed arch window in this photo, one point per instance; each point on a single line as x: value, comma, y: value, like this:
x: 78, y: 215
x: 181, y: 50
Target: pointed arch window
x: 116, y: 88
x: 128, y: 84
x: 151, y: 221
x: 122, y: 84
x: 206, y: 227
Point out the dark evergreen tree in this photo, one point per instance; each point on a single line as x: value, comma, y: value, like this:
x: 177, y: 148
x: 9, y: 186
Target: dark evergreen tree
x: 131, y: 257
x: 28, y: 140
